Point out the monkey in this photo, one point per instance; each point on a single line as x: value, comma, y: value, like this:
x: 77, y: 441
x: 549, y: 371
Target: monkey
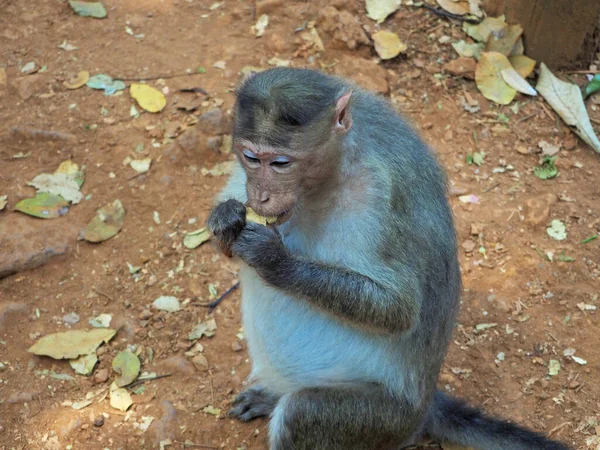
x: 350, y: 298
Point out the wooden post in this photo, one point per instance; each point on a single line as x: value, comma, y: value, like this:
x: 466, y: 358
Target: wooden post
x: 560, y: 33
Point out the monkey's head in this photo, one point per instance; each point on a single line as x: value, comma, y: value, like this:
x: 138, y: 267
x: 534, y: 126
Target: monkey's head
x: 287, y: 131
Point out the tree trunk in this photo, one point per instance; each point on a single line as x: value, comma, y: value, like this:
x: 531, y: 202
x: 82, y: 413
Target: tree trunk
x: 560, y: 33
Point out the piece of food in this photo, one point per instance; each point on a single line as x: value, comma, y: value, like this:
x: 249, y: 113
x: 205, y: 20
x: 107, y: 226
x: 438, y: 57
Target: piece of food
x: 253, y: 216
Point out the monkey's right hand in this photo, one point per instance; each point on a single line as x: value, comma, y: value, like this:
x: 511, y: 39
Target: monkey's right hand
x: 225, y: 222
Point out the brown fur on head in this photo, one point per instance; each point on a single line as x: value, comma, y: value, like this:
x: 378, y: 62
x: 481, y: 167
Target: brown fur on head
x: 286, y: 121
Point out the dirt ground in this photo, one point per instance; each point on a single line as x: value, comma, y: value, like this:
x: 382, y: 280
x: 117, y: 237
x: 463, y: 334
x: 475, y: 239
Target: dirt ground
x: 520, y: 310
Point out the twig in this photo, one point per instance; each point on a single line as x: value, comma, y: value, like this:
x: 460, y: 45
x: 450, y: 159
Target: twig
x: 491, y: 188
x: 443, y: 13
x: 191, y: 444
x: 546, y: 111
x: 94, y: 288
x: 584, y: 72
x: 158, y: 77
x: 142, y: 381
x: 555, y: 429
x: 530, y: 116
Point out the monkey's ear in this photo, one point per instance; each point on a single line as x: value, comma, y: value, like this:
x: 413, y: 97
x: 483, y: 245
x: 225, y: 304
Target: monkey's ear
x: 247, y: 76
x: 342, y: 120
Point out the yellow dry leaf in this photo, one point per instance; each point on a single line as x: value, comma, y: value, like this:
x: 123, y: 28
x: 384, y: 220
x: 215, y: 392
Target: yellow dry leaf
x: 504, y: 40
x: 516, y: 81
x: 120, y: 398
x: 253, y: 216
x: 458, y: 7
x: 519, y: 47
x: 522, y: 64
x: 78, y: 80
x: 379, y: 9
x: 68, y: 167
x: 488, y: 76
x: 388, y: 45
x: 481, y: 32
x: 149, y: 98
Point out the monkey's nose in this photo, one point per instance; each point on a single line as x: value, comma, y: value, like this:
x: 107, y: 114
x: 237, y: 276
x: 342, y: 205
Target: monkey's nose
x: 264, y: 197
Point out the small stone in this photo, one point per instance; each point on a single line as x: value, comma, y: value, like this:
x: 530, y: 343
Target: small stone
x: 101, y: 376
x: 85, y: 426
x: 574, y: 384
x: 211, y: 121
x: 343, y: 28
x: 427, y: 126
x: 462, y: 67
x: 236, y: 346
x: 145, y: 314
x: 468, y: 246
x: 570, y: 143
x: 214, y: 143
x: 476, y: 229
x: 71, y: 318
x: 537, y: 209
x: 200, y: 362
x: 99, y: 421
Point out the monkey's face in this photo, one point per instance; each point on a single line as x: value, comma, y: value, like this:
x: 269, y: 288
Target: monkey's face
x: 274, y: 178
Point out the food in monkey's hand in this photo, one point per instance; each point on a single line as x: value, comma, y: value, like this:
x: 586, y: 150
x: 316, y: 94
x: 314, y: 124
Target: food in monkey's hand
x: 253, y: 216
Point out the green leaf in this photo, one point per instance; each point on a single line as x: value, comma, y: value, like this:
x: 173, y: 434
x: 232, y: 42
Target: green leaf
x: 128, y: 366
x: 565, y: 258
x: 476, y: 158
x: 547, y: 169
x: 553, y: 367
x: 557, y: 230
x: 590, y: 239
x: 88, y: 9
x: 44, y: 205
x: 593, y: 86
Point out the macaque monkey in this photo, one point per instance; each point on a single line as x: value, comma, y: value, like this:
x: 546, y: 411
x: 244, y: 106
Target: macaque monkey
x: 349, y: 299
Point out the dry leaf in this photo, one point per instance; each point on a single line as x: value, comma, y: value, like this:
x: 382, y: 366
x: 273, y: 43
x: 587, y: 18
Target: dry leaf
x: 58, y: 184
x: 379, y: 9
x: 516, y: 81
x: 120, y: 398
x: 388, y: 45
x: 567, y: 101
x: 44, y: 206
x: 71, y: 344
x: 77, y: 81
x: 490, y: 82
x: 107, y: 222
x: 149, y: 98
x: 312, y: 36
x: 3, y: 201
x: 277, y: 62
x: 482, y: 31
x: 84, y: 365
x: 504, y: 40
x: 203, y: 329
x: 141, y: 165
x: 458, y: 7
x: 468, y: 50
x: 522, y: 64
x: 261, y: 25
x: 475, y: 8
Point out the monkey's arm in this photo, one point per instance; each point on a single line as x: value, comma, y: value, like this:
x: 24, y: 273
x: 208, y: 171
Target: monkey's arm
x: 348, y: 294
x: 235, y: 187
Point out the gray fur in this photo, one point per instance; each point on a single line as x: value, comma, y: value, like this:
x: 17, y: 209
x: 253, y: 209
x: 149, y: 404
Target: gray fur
x: 349, y: 307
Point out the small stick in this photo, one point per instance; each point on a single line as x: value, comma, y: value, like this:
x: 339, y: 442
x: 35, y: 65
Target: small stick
x: 546, y: 111
x: 138, y: 382
x: 485, y: 191
x: 191, y: 444
x: 158, y: 77
x: 443, y: 13
x: 584, y: 72
x: 94, y: 288
x: 523, y: 119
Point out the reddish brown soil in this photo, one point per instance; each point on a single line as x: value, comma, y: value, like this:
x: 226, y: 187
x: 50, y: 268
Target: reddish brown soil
x: 533, y: 301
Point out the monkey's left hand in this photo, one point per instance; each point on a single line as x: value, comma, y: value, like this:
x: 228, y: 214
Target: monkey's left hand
x: 260, y: 247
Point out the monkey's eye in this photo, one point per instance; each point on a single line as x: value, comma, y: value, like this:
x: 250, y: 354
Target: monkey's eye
x: 280, y: 161
x: 251, y: 157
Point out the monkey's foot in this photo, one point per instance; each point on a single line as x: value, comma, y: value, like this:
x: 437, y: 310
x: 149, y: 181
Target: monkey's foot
x: 252, y: 403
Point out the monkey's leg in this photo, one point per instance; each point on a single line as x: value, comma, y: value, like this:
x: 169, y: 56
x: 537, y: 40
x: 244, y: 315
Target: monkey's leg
x: 254, y: 402
x: 365, y: 417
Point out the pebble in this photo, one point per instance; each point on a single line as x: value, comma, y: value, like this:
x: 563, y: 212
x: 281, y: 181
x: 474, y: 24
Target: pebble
x: 236, y: 346
x: 99, y: 421
x: 101, y: 376
x: 145, y: 314
x: 71, y: 318
x: 461, y: 67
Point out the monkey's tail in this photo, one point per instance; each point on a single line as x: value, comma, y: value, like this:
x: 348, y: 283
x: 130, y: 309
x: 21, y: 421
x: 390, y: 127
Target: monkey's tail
x: 453, y: 421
